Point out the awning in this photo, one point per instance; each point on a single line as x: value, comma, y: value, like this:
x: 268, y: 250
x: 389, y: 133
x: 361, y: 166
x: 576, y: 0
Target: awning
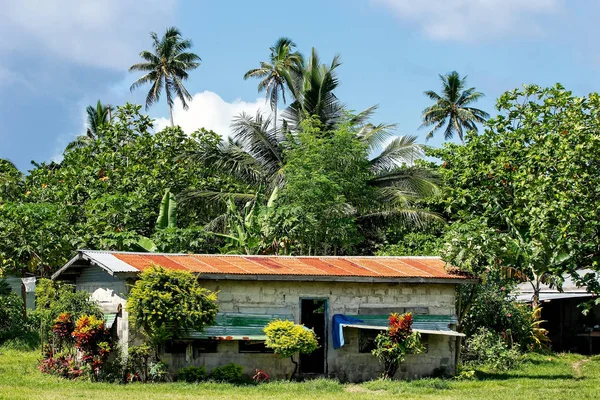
x: 109, y: 319
x: 237, y: 326
x: 425, y: 324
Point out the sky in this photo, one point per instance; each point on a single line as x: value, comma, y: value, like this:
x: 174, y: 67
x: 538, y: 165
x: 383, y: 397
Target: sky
x: 57, y: 57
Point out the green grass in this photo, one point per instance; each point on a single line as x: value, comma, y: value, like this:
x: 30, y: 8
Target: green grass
x: 540, y: 377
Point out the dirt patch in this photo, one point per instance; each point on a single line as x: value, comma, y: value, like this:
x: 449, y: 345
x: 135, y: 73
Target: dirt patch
x: 577, y: 368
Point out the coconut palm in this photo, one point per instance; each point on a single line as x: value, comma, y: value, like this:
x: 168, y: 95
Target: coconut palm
x: 313, y: 92
x: 97, y: 118
x: 278, y: 75
x: 451, y: 108
x: 166, y: 68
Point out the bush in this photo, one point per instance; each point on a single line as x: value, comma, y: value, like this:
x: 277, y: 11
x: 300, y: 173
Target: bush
x: 488, y: 349
x: 495, y: 309
x: 287, y: 338
x: 230, y: 373
x: 191, y: 374
x: 16, y: 330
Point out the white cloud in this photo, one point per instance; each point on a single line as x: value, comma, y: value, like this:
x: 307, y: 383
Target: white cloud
x: 107, y: 33
x: 473, y: 20
x: 208, y: 110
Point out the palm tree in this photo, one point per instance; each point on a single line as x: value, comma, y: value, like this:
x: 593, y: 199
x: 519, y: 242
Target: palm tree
x: 451, y: 109
x: 279, y: 74
x: 166, y: 68
x: 98, y: 118
x: 313, y: 92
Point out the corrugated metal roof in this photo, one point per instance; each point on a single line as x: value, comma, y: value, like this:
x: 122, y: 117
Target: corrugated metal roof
x: 429, y: 324
x: 569, y: 289
x: 377, y: 267
x: 277, y: 267
x: 236, y: 326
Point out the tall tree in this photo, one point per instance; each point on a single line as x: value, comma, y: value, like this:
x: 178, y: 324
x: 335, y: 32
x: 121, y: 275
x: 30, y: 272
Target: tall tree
x: 97, y: 118
x: 452, y: 109
x: 166, y: 68
x: 278, y: 75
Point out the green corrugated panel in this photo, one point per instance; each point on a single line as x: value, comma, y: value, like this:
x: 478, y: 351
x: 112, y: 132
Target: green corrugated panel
x: 237, y: 326
x: 109, y: 319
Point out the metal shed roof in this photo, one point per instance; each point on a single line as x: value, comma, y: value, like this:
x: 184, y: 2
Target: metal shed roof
x: 569, y: 289
x: 274, y: 267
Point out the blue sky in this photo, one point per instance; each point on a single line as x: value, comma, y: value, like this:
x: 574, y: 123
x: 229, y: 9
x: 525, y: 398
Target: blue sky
x: 55, y: 59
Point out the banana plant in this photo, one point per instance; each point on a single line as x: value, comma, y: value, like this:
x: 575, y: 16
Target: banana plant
x: 167, y: 218
x: 247, y: 227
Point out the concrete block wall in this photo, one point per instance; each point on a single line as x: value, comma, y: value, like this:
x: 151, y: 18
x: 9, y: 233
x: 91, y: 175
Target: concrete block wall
x: 346, y: 363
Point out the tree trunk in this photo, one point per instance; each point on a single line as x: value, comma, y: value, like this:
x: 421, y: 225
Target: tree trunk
x: 295, y: 368
x: 171, y: 115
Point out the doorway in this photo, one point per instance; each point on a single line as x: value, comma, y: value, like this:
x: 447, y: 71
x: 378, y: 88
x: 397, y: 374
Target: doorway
x: 313, y: 314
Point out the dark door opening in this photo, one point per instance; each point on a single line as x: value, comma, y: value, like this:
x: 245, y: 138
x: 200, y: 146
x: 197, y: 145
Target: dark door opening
x: 313, y: 315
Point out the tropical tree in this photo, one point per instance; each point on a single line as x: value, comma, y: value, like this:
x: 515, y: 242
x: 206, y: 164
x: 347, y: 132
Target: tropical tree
x: 11, y: 181
x: 452, y: 109
x: 166, y: 67
x: 97, y: 119
x: 279, y: 74
x: 313, y: 92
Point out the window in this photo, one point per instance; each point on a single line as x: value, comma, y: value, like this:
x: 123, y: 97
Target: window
x: 253, y: 346
x: 198, y: 346
x: 366, y: 340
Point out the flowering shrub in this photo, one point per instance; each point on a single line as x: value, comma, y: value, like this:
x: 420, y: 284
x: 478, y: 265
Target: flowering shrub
x: 59, y: 364
x: 62, y: 328
x: 93, y: 340
x: 393, y: 345
x: 260, y: 376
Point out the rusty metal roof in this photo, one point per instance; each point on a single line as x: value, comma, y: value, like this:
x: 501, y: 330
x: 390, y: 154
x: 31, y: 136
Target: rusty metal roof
x: 276, y: 267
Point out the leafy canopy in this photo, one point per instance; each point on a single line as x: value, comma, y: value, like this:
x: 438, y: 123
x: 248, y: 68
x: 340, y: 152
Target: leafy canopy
x: 164, y: 304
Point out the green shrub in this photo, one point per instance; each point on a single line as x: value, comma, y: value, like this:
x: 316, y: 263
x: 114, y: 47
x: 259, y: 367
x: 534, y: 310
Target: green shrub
x: 191, y: 374
x: 488, y: 349
x: 17, y: 331
x: 230, y: 373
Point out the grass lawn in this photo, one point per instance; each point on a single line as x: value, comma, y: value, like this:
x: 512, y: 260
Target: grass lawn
x: 540, y: 377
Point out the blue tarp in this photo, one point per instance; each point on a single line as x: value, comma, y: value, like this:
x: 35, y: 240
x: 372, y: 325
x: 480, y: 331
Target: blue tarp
x: 338, y: 329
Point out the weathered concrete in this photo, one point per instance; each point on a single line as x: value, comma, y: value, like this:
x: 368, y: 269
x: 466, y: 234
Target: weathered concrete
x: 284, y: 297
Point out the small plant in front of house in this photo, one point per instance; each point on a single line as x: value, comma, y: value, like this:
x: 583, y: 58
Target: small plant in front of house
x: 93, y: 340
x: 393, y: 345
x: 260, y: 376
x: 192, y: 374
x: 287, y: 339
x: 138, y: 363
x: 230, y: 373
x: 487, y: 348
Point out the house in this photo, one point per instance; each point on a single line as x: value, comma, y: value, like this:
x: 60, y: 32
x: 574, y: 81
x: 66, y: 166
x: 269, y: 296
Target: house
x: 568, y: 328
x: 346, y: 300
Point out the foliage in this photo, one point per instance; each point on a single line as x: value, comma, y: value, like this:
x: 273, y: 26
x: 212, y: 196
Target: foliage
x: 495, y: 309
x: 524, y: 192
x: 393, y: 345
x: 230, y: 373
x: 93, y: 340
x: 192, y: 374
x: 279, y: 73
x: 54, y: 299
x: 164, y: 303
x: 16, y: 329
x: 487, y: 348
x: 97, y: 118
x: 138, y: 363
x: 287, y: 339
x: 106, y: 195
x: 166, y: 67
x: 158, y: 372
x: 414, y: 244
x: 11, y: 182
x: 451, y: 108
